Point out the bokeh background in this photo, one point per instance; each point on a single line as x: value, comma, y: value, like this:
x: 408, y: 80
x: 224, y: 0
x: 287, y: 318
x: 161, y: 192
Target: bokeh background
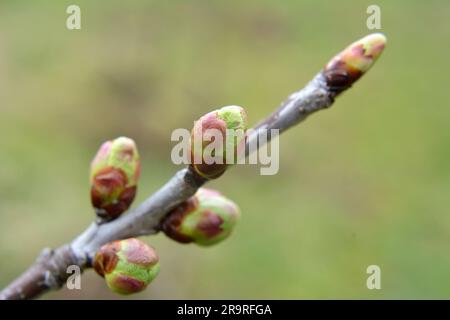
x: 365, y: 182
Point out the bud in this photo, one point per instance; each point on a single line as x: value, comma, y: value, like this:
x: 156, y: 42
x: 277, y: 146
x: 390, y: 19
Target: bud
x: 230, y: 123
x: 351, y: 63
x: 206, y: 218
x: 114, y: 175
x: 128, y: 266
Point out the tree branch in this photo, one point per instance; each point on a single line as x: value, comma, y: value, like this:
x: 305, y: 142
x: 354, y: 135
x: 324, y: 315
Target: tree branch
x: 49, y: 270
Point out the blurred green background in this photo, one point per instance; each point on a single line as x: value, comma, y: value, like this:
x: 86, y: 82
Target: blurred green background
x: 366, y: 182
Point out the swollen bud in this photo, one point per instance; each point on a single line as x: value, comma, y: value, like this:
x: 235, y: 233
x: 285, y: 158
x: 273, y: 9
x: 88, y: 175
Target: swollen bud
x: 217, y: 139
x: 206, y: 218
x: 351, y: 63
x: 114, y: 176
x: 128, y: 266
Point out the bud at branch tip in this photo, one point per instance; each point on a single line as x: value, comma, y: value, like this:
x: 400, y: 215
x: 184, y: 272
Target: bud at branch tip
x: 351, y: 63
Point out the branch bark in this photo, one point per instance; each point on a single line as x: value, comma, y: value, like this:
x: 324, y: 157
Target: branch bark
x: 49, y: 270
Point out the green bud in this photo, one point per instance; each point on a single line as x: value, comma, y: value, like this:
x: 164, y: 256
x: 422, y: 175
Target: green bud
x: 351, y: 63
x: 217, y: 140
x: 128, y: 266
x: 206, y: 218
x: 114, y: 176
